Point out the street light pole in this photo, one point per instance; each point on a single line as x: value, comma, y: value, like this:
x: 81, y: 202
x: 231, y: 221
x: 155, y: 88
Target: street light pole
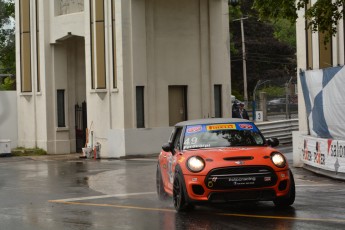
x: 244, y: 64
x: 244, y: 61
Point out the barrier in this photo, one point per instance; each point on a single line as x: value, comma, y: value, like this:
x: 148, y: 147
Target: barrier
x: 280, y: 129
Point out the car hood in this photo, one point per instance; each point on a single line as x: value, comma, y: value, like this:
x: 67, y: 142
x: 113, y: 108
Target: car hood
x: 234, y: 156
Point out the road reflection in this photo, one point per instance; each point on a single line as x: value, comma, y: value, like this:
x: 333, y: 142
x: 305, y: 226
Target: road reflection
x: 231, y: 216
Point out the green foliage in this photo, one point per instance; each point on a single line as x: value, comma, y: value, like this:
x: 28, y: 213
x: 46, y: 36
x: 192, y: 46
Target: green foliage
x: 9, y: 84
x: 7, y: 37
x: 285, y: 31
x: 270, y: 50
x: 237, y: 94
x: 234, y: 13
x: 273, y: 91
x: 20, y: 151
x: 322, y: 16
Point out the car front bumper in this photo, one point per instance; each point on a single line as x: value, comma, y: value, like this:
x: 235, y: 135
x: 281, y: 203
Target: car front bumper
x: 198, y: 189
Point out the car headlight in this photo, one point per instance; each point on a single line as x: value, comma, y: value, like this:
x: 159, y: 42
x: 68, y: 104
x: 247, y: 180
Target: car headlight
x: 195, y: 164
x: 278, y: 159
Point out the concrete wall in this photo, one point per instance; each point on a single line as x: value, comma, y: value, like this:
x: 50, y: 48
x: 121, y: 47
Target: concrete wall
x: 8, y: 117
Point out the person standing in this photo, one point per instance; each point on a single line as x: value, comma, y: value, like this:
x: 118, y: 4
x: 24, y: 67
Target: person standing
x: 241, y: 112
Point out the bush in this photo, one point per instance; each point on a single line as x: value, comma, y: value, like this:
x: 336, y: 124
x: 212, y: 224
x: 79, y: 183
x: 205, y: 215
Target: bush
x: 20, y: 151
x: 8, y: 84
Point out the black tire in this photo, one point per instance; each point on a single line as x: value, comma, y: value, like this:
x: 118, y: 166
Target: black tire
x: 162, y: 195
x: 179, y: 194
x: 290, y: 198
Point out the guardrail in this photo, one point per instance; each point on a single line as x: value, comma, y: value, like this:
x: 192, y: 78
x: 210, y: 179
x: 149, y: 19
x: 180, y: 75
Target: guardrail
x: 280, y: 129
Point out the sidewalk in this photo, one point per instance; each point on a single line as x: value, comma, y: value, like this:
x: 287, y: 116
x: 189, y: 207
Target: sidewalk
x: 78, y: 156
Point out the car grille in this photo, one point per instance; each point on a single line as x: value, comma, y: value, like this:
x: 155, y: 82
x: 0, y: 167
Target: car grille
x: 246, y: 195
x: 241, y: 177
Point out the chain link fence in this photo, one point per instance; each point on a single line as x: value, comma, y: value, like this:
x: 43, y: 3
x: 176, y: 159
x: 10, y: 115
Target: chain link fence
x: 283, y: 106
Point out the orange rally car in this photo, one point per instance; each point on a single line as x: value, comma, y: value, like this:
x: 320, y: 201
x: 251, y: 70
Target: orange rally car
x: 222, y: 160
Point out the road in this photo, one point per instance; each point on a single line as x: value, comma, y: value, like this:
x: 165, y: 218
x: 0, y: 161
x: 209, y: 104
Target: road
x: 48, y: 193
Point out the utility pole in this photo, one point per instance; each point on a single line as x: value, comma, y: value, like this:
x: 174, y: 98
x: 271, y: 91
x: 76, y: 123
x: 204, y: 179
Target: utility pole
x: 244, y: 57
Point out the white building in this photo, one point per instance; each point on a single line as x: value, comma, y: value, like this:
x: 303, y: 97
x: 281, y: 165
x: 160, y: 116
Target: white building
x: 140, y: 66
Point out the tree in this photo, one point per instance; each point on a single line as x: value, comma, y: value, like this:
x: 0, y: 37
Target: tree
x: 285, y: 31
x: 323, y: 16
x: 268, y: 55
x: 7, y: 37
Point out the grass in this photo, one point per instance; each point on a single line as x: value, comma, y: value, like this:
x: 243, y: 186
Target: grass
x: 20, y: 151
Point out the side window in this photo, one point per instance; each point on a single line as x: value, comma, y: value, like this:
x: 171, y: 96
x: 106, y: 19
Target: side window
x: 171, y: 139
x: 177, y: 138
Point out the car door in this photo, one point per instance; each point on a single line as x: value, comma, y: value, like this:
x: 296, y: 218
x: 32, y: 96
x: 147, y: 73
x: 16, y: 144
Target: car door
x: 171, y: 157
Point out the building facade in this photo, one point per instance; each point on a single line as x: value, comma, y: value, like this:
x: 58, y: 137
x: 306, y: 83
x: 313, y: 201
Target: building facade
x: 118, y: 72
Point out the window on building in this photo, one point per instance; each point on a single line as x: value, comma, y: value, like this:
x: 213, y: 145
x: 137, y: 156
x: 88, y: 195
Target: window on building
x: 140, y: 107
x: 309, y: 46
x: 38, y: 48
x: 25, y: 46
x: 114, y: 44
x: 218, y: 100
x: 325, y: 52
x: 97, y: 27
x: 309, y: 43
x: 61, y: 108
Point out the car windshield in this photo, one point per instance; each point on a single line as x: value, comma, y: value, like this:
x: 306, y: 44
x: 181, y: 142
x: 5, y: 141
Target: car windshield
x: 222, y: 135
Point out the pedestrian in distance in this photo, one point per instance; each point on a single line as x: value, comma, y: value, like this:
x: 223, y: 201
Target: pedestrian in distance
x: 235, y: 107
x: 241, y: 112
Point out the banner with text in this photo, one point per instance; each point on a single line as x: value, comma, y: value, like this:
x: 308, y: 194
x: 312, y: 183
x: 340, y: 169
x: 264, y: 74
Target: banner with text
x: 327, y: 154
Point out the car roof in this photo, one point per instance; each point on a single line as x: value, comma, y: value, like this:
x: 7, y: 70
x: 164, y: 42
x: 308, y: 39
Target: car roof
x: 210, y: 121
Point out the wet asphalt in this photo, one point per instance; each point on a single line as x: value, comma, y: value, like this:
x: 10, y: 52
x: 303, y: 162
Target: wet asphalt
x: 66, y: 192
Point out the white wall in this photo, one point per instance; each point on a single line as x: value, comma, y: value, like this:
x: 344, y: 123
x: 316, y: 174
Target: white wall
x: 8, y: 117
x: 158, y: 43
x: 161, y: 43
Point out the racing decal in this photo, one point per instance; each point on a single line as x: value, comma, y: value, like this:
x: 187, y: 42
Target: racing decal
x: 194, y: 129
x: 245, y: 126
x: 191, y: 143
x: 197, y: 146
x: 220, y: 127
x: 181, y: 160
x: 170, y: 171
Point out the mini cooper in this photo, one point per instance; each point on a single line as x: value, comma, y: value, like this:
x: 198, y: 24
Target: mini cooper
x: 222, y: 160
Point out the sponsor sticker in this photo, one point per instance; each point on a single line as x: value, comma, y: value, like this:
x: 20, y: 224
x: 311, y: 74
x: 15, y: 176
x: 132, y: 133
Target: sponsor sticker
x: 220, y: 127
x: 194, y: 129
x: 241, y: 179
x: 246, y: 126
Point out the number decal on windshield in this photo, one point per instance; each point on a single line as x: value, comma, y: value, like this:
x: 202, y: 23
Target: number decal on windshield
x: 191, y: 141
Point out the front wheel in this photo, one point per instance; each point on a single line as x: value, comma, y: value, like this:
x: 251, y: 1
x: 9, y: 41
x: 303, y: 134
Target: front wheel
x: 290, y: 198
x: 179, y: 196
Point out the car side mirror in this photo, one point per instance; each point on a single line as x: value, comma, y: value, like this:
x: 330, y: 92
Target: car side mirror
x: 273, y: 142
x: 167, y: 147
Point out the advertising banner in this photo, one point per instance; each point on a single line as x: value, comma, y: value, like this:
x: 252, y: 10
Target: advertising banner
x: 323, y: 93
x: 327, y: 154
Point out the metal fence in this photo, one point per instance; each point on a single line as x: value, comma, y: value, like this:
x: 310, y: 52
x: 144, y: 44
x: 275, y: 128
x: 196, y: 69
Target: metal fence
x: 280, y: 129
x: 272, y: 109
